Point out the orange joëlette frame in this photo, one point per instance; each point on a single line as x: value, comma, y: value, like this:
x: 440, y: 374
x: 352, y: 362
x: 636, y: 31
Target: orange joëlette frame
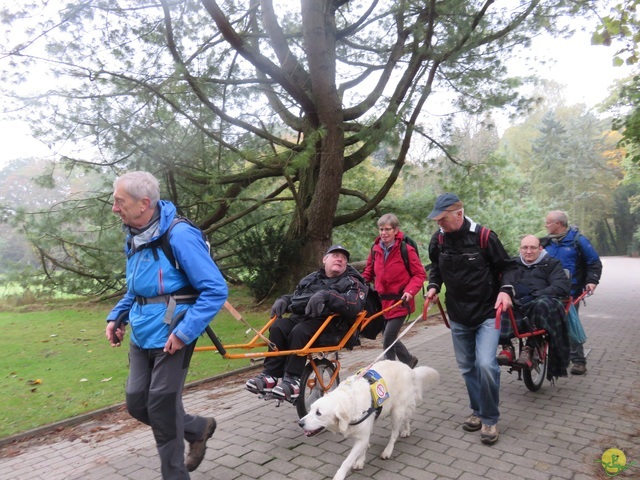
x: 258, y: 342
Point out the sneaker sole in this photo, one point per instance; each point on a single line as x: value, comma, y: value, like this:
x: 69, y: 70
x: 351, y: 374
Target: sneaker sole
x: 292, y: 398
x: 488, y: 441
x: 471, y: 428
x: 256, y: 391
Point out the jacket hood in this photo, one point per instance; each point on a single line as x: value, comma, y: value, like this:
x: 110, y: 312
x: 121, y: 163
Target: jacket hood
x: 167, y: 214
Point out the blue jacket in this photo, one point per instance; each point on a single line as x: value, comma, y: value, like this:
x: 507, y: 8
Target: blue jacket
x: 151, y: 277
x: 581, y: 260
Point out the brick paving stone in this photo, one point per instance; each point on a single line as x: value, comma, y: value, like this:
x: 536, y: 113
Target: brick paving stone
x: 557, y: 432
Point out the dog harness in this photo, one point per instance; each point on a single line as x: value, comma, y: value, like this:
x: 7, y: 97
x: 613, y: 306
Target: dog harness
x: 379, y: 393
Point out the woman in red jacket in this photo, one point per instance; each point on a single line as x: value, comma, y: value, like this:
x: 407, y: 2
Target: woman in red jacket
x: 395, y: 280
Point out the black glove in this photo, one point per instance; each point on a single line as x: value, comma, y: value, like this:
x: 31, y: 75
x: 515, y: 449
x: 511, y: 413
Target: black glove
x: 315, y: 306
x: 279, y: 307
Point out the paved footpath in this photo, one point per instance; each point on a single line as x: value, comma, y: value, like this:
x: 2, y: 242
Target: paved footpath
x: 559, y: 432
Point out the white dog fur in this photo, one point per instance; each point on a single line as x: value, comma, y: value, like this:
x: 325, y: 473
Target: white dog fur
x: 349, y: 402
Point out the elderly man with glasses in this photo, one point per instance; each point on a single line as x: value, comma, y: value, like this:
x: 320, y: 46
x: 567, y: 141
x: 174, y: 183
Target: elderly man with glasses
x: 541, y: 286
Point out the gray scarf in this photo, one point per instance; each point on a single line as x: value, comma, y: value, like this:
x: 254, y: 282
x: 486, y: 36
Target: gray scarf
x: 557, y: 237
x: 543, y: 254
x: 141, y: 236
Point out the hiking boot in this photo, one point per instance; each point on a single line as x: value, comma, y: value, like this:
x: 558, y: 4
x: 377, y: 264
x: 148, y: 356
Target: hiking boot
x: 289, y: 389
x: 505, y: 357
x: 263, y: 383
x: 489, y: 434
x: 524, y: 360
x: 472, y: 423
x: 413, y: 362
x: 578, y: 369
x: 197, y: 448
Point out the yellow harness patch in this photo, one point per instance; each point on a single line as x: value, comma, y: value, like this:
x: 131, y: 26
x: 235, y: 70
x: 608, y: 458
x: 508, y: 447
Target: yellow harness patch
x: 377, y: 386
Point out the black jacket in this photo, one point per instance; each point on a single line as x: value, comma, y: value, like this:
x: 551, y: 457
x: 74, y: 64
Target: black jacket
x: 546, y: 278
x: 473, y: 276
x: 347, y: 293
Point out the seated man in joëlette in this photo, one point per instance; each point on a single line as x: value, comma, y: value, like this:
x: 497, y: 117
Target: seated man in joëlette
x: 540, y: 288
x: 335, y: 288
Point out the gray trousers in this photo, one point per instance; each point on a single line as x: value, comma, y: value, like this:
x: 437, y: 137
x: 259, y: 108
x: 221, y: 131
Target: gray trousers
x: 392, y: 327
x: 154, y: 397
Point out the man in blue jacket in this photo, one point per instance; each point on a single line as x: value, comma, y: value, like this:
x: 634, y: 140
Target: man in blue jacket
x: 160, y: 292
x: 583, y: 263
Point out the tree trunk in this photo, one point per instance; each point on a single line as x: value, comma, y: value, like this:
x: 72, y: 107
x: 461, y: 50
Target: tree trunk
x: 321, y: 181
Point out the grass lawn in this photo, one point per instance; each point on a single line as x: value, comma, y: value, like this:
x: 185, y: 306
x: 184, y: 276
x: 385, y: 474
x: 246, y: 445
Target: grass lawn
x: 57, y: 363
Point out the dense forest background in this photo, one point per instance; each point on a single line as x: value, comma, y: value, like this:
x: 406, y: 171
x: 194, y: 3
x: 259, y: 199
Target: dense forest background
x: 282, y: 129
x: 559, y: 157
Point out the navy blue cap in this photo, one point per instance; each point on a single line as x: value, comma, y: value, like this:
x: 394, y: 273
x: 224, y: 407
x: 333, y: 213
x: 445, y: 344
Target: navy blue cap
x: 446, y: 202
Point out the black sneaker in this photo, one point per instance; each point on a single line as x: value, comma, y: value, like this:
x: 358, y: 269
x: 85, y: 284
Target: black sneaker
x: 413, y: 362
x: 287, y: 390
x: 263, y: 383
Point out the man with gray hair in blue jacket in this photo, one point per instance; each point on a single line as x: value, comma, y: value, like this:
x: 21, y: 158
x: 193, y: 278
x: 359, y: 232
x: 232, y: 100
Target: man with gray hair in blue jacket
x: 579, y: 257
x: 174, y: 289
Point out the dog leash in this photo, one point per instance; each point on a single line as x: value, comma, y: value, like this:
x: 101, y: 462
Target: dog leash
x: 404, y: 332
x: 363, y: 371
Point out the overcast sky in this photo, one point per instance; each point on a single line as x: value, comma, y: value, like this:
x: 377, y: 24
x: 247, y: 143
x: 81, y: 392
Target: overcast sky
x: 586, y: 70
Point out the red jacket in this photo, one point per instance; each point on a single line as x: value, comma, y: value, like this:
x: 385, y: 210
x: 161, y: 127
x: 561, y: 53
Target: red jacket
x: 391, y: 276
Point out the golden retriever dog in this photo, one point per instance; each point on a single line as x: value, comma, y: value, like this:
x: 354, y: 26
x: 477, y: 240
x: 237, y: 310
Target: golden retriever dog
x: 350, y: 408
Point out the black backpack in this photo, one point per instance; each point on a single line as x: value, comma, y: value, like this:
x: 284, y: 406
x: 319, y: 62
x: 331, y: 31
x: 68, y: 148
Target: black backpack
x: 373, y: 305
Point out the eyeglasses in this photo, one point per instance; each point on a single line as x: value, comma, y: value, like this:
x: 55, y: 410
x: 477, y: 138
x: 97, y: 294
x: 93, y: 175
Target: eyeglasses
x: 386, y: 229
x: 529, y: 248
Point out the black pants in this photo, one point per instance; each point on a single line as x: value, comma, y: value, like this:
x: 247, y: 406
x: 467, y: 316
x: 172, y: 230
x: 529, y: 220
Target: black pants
x: 290, y: 333
x: 391, y: 330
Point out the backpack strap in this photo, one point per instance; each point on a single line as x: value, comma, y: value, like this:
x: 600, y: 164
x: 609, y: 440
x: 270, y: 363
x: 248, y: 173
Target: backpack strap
x: 484, y: 237
x: 165, y: 245
x: 405, y: 255
x: 576, y: 243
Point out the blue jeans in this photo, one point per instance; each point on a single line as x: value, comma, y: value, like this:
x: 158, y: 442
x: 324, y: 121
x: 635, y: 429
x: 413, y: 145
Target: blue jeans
x: 475, y: 349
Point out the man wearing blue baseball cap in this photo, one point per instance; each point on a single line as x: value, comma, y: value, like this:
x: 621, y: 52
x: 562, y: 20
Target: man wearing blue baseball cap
x: 335, y: 288
x: 478, y: 273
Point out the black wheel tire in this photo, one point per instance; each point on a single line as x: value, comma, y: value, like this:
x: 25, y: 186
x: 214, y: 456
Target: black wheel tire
x: 534, y: 377
x: 310, y: 389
